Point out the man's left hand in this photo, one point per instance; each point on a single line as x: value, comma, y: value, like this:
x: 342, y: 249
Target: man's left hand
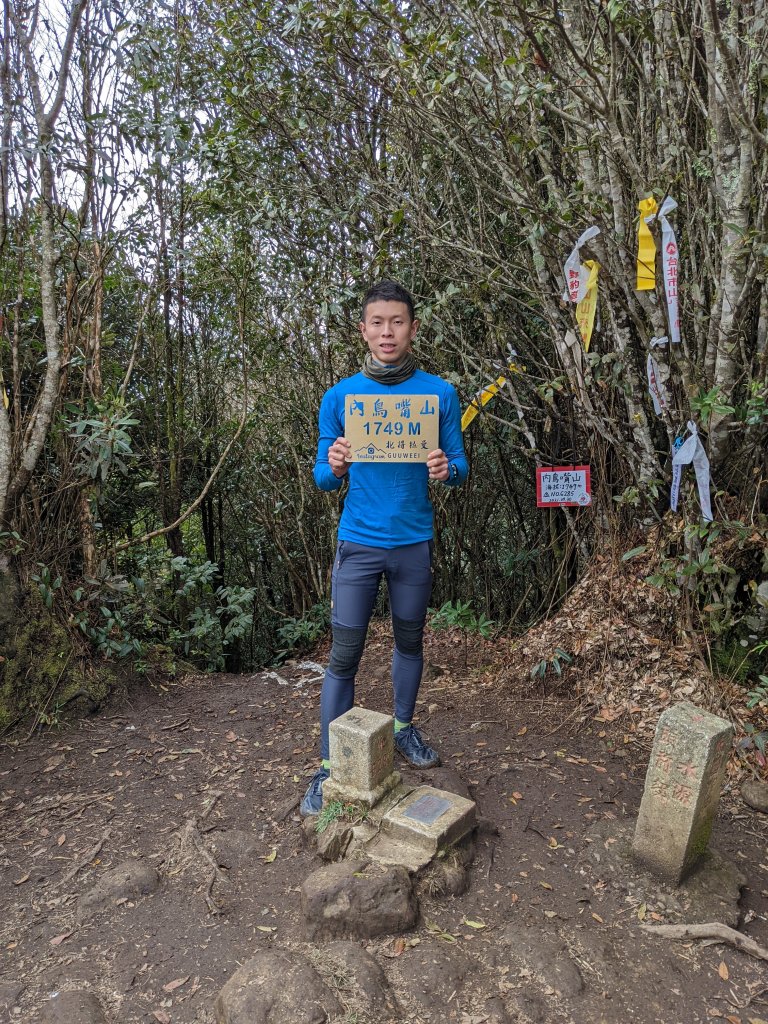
x: 437, y: 464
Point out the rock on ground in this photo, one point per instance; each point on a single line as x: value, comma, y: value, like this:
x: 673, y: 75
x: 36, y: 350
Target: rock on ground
x: 234, y: 848
x: 358, y: 973
x: 276, y: 988
x: 75, y: 1007
x: 755, y: 793
x: 358, y: 899
x: 128, y: 880
x: 333, y: 842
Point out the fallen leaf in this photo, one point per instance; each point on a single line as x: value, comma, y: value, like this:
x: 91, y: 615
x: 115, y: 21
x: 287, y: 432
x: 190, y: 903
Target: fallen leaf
x: 517, y: 796
x: 722, y: 970
x: 545, y: 885
x: 473, y: 924
x: 161, y: 1016
x: 61, y: 840
x: 60, y: 938
x: 231, y: 737
x: 733, y: 1019
x: 270, y: 856
x: 553, y: 844
x: 642, y: 911
x: 598, y: 918
x: 22, y: 880
x: 523, y: 731
x: 176, y: 983
x: 264, y: 928
x: 399, y: 947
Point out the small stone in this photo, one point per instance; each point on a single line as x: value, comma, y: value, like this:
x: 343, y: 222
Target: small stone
x: 333, y: 842
x: 276, y: 988
x: 356, y: 964
x: 234, y: 848
x: 755, y: 793
x: 358, y: 899
x: 450, y: 879
x: 128, y: 880
x: 75, y: 1007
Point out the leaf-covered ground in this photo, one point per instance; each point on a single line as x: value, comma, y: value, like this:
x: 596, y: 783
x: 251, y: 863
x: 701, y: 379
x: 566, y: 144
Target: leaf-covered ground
x: 200, y: 780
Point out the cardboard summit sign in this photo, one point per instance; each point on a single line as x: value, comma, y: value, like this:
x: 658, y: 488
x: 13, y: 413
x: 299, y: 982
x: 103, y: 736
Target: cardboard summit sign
x: 392, y: 428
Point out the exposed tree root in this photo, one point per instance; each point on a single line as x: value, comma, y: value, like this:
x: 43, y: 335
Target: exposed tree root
x: 714, y: 930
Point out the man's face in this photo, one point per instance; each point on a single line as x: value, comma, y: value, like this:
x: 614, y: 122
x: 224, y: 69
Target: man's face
x: 389, y: 330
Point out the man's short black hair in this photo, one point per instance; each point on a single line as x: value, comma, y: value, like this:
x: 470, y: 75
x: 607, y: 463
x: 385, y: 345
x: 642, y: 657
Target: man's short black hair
x: 388, y: 291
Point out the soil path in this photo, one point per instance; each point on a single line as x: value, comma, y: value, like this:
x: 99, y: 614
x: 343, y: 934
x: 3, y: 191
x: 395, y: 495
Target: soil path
x: 208, y: 773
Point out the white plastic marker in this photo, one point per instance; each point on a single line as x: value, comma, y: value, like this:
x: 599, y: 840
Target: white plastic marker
x: 576, y: 274
x: 692, y: 450
x: 655, y: 384
x: 670, y: 265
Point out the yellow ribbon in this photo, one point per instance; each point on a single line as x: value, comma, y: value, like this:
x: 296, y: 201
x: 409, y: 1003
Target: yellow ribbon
x: 485, y: 396
x: 646, y: 247
x: 586, y: 309
x: 6, y: 401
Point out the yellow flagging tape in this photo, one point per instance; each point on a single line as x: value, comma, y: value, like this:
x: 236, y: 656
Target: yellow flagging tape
x: 646, y: 247
x: 586, y: 309
x: 485, y: 396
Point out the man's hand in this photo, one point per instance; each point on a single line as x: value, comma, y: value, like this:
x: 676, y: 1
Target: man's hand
x: 437, y: 464
x: 338, y: 455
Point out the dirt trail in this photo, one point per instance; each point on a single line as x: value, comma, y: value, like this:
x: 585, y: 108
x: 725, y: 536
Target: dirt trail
x: 200, y: 782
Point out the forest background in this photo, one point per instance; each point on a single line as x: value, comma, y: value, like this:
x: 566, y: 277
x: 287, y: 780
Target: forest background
x: 194, y: 197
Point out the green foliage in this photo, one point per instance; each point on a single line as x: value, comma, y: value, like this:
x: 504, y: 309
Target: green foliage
x: 102, y: 439
x: 46, y: 585
x: 298, y: 635
x: 757, y: 697
x: 336, y: 810
x: 554, y: 664
x: 711, y: 403
x: 170, y: 604
x: 460, y: 615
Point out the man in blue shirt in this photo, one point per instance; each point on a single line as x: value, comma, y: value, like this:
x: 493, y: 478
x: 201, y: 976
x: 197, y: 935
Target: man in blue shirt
x: 385, y: 528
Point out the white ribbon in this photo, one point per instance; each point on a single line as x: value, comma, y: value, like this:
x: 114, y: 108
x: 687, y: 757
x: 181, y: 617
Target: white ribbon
x: 576, y: 274
x: 655, y: 384
x: 692, y: 450
x: 670, y: 262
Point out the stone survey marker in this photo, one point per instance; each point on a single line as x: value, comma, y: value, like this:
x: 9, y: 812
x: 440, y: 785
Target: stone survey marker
x: 405, y: 826
x: 682, y: 790
x: 361, y: 754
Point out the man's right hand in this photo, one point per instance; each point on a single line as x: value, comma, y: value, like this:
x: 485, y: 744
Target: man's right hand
x: 338, y: 456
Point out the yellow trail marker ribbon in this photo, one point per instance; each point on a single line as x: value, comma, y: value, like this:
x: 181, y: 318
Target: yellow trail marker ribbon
x: 646, y: 247
x: 484, y: 397
x: 6, y: 401
x: 587, y: 307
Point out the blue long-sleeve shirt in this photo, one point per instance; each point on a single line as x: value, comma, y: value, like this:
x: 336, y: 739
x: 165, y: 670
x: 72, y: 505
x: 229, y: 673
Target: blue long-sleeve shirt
x: 387, y: 505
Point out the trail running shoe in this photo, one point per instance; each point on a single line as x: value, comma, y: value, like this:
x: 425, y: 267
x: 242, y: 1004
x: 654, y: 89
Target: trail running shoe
x: 312, y: 801
x: 413, y: 748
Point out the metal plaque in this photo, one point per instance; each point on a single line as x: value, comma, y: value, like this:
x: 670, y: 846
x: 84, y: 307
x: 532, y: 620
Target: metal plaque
x: 427, y: 809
